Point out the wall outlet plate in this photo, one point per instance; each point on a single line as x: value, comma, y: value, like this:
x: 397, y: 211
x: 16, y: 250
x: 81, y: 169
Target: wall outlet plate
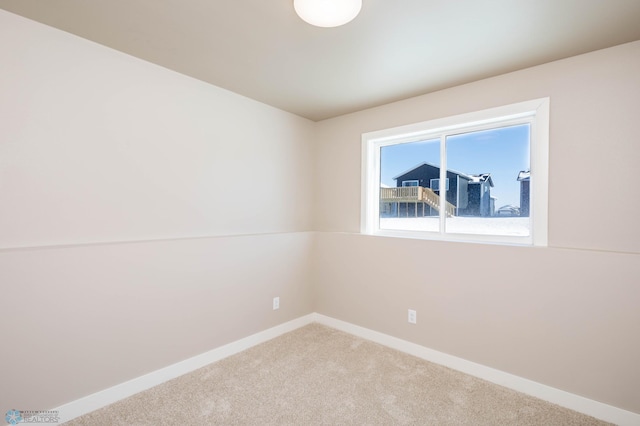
x: 412, y: 317
x: 276, y: 303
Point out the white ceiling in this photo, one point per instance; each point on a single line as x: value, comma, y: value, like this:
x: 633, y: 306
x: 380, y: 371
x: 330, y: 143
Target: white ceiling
x: 393, y: 50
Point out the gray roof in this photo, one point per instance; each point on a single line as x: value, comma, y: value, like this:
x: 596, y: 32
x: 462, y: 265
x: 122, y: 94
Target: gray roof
x: 464, y: 175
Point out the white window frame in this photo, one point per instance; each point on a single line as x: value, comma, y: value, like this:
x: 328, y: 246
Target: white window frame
x: 534, y: 112
x: 417, y: 183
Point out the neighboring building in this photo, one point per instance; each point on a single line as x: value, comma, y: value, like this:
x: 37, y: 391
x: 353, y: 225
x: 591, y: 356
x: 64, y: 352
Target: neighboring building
x: 524, y: 177
x: 508, y: 210
x: 468, y: 195
x: 481, y: 203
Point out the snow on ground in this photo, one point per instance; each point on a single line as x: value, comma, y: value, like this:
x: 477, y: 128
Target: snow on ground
x: 517, y: 226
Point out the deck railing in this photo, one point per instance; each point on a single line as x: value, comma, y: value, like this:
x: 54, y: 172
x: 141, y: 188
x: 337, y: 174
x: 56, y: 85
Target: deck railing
x: 415, y: 194
x: 405, y: 193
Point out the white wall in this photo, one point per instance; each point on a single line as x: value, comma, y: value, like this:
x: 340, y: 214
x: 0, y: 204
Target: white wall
x: 98, y: 149
x: 566, y: 316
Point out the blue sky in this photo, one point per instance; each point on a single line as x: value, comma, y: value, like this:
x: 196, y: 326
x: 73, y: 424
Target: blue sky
x: 503, y: 152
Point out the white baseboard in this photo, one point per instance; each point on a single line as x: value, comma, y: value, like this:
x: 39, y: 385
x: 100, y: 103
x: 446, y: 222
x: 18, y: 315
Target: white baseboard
x: 565, y: 399
x: 574, y: 402
x: 116, y: 393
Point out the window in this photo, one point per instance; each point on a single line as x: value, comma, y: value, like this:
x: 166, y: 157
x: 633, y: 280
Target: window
x: 495, y: 167
x: 435, y: 184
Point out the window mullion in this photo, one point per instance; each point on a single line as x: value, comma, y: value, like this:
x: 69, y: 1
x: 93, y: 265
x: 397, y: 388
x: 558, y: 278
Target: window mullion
x: 443, y: 183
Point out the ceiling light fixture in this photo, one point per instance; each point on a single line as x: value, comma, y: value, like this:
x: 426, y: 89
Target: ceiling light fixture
x: 327, y: 13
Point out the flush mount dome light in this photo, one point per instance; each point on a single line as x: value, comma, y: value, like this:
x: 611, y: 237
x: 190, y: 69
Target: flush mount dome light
x: 327, y: 13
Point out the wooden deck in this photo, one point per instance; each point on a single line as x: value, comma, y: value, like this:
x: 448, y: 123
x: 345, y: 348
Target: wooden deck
x: 415, y: 194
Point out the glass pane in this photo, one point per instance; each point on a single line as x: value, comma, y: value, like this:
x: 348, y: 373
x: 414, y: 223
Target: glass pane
x: 489, y: 182
x: 407, y: 171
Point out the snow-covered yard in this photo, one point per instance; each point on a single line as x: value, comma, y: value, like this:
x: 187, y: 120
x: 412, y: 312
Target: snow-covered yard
x: 517, y: 226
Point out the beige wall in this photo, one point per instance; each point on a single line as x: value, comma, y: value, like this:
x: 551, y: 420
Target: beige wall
x: 567, y: 315
x: 78, y: 320
x: 100, y: 146
x: 97, y: 149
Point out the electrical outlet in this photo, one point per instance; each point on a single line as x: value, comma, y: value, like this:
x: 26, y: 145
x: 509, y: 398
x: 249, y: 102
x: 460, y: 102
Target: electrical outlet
x: 276, y: 303
x: 412, y: 316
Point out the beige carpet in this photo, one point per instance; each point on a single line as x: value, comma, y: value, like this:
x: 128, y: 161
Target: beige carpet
x: 320, y: 376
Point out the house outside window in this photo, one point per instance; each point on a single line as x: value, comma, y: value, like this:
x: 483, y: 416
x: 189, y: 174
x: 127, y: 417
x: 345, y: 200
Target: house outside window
x: 494, y: 163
